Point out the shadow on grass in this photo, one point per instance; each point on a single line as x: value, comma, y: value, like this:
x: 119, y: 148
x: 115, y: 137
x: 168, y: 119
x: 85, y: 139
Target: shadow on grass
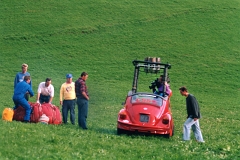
x: 106, y: 131
x: 141, y: 134
x: 129, y: 133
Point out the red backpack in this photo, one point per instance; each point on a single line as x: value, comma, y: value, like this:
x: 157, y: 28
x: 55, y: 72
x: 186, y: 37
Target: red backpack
x: 51, y: 111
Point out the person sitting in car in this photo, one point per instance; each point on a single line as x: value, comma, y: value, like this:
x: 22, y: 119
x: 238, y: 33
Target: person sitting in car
x: 160, y: 86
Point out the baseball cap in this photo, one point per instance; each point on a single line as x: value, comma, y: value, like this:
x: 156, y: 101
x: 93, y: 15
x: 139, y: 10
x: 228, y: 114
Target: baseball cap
x: 69, y: 76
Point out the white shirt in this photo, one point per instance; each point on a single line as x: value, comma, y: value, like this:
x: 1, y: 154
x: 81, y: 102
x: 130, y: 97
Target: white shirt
x: 46, y: 91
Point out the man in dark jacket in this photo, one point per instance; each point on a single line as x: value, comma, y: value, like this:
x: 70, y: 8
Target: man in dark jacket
x: 193, y: 115
x: 19, y: 96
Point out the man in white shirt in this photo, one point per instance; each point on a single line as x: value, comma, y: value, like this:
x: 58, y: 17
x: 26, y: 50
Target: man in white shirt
x: 45, y: 92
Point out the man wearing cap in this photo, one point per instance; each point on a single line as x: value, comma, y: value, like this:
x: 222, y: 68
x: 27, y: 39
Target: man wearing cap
x: 19, y: 99
x: 67, y: 99
x: 45, y: 92
x: 20, y: 77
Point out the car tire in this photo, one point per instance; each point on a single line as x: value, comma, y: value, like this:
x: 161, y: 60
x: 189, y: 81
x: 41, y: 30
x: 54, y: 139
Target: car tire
x: 173, y: 130
x: 120, y: 131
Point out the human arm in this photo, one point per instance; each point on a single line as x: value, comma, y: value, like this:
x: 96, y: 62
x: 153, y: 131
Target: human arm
x: 30, y: 91
x: 61, y: 94
x: 38, y: 96
x: 85, y: 95
x: 15, y: 81
x: 168, y: 90
x: 51, y: 94
x: 50, y: 100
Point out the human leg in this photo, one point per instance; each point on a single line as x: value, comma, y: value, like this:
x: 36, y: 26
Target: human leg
x: 197, y: 131
x: 79, y: 104
x: 82, y: 113
x: 187, y: 129
x: 16, y: 104
x: 72, y: 111
x: 24, y: 103
x: 64, y: 112
x: 26, y: 96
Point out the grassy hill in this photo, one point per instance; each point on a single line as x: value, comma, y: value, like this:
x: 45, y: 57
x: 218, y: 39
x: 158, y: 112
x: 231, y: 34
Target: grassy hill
x: 200, y: 39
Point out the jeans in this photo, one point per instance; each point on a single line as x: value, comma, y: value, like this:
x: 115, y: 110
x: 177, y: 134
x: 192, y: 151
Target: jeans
x: 44, y: 99
x: 82, y: 112
x: 190, y: 123
x: 24, y: 103
x: 68, y: 105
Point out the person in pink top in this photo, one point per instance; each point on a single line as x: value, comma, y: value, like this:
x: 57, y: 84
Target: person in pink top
x: 67, y: 99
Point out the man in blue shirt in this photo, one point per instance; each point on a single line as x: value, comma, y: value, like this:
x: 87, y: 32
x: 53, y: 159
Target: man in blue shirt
x: 19, y: 96
x: 20, y: 77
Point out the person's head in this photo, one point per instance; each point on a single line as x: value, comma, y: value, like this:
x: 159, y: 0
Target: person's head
x: 84, y: 75
x: 161, y: 78
x: 48, y: 81
x: 24, y: 68
x: 183, y: 91
x: 27, y: 79
x: 69, y: 78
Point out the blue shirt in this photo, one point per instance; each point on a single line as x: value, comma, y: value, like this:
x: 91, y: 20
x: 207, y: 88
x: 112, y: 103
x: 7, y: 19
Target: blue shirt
x: 20, y: 77
x: 21, y: 89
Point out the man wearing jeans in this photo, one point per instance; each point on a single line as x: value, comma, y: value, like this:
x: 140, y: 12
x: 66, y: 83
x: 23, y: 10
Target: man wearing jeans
x: 45, y: 92
x: 19, y: 96
x: 67, y: 99
x: 193, y: 115
x: 82, y: 100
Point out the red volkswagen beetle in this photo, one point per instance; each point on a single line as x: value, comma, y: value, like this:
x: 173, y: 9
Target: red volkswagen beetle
x: 145, y: 112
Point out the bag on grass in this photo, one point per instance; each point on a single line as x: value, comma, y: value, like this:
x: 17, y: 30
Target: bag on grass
x: 50, y: 110
x: 7, y: 114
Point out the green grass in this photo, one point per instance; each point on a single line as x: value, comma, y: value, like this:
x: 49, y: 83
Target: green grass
x: 200, y: 39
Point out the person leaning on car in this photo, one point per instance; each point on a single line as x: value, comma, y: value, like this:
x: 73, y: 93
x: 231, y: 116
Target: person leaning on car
x: 20, y: 77
x: 193, y: 115
x: 67, y: 99
x: 19, y: 96
x: 45, y: 92
x: 82, y: 99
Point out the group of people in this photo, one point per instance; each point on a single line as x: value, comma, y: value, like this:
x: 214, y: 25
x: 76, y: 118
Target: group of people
x: 70, y: 94
x: 70, y: 91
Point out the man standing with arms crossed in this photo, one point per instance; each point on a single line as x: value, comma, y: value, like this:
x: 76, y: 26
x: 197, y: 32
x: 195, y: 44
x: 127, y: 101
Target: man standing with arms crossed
x: 193, y: 115
x: 82, y: 99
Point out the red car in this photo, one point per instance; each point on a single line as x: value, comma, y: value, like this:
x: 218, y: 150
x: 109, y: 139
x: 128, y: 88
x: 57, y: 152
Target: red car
x: 145, y: 112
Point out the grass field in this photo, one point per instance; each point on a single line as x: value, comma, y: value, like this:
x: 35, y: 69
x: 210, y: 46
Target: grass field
x: 199, y: 39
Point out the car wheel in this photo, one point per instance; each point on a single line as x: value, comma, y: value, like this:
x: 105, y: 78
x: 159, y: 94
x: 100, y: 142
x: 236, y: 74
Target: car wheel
x: 173, y: 130
x: 166, y: 135
x: 120, y: 131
